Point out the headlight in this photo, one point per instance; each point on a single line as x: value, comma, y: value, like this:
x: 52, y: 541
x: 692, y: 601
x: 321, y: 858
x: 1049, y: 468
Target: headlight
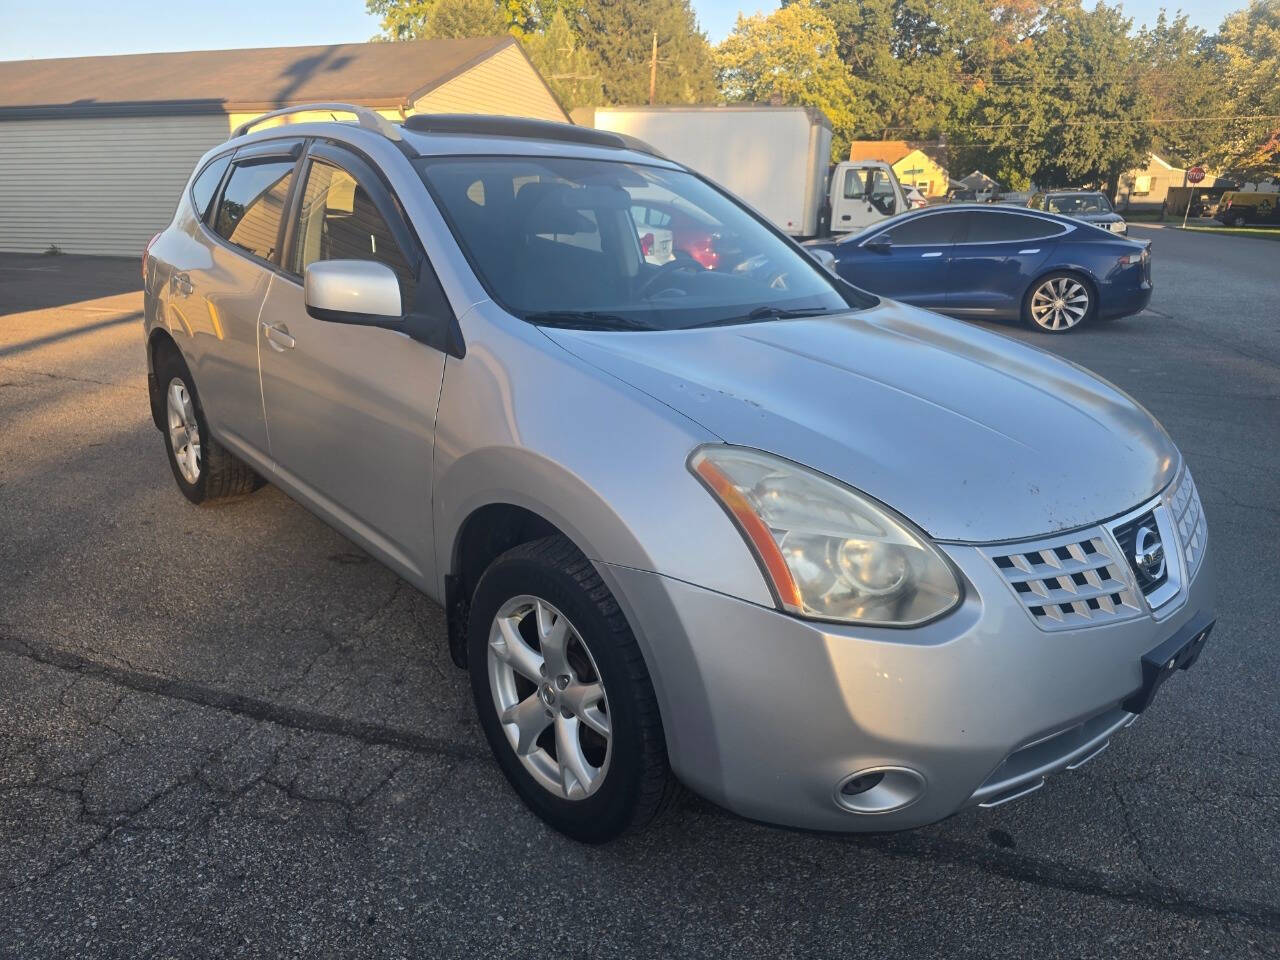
x: 828, y: 552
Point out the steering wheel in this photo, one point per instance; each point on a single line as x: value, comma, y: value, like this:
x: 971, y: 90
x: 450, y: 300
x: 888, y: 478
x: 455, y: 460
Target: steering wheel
x: 681, y: 264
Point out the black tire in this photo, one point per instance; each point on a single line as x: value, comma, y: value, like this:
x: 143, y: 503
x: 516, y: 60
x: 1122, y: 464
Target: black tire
x: 1091, y: 310
x: 638, y: 783
x: 221, y: 474
x: 1238, y: 220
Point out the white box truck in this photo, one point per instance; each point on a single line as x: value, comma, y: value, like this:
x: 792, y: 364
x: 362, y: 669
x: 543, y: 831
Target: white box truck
x: 778, y: 159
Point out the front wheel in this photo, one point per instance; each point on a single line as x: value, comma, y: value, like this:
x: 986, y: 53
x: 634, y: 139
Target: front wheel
x: 563, y: 695
x: 1058, y: 303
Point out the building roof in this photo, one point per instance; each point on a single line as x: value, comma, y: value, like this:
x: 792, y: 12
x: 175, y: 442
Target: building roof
x: 885, y: 151
x: 222, y: 81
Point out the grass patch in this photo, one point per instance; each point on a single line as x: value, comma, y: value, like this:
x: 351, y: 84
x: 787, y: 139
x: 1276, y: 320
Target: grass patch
x: 1264, y: 233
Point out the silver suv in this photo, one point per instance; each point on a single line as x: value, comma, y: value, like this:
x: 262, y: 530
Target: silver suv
x: 826, y: 559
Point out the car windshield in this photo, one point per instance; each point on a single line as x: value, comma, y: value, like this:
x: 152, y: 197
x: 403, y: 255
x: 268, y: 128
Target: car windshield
x: 609, y: 245
x: 1074, y: 204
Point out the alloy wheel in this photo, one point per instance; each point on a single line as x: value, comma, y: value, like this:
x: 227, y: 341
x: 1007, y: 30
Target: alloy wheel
x: 550, y: 697
x: 1059, y: 303
x: 184, y: 431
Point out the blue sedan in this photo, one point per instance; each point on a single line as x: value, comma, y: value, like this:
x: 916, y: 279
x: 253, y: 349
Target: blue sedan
x: 999, y: 263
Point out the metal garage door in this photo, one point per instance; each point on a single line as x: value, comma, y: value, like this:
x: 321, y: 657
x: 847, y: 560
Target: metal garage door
x: 96, y: 185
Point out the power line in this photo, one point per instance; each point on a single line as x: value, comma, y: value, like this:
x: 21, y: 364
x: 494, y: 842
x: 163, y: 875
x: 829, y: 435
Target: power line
x: 1098, y: 122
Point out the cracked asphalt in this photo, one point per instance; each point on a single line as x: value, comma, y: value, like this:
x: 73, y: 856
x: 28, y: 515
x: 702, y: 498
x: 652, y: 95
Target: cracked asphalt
x: 227, y: 732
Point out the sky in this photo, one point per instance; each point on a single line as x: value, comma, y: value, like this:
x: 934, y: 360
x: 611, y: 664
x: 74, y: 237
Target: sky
x: 79, y: 28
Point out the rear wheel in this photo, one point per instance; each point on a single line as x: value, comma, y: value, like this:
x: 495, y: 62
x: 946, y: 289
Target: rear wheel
x: 1058, y: 303
x: 204, y: 469
x: 563, y: 695
x: 1237, y: 220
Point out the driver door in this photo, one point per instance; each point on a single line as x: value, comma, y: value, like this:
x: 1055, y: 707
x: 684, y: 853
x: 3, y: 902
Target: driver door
x: 351, y: 409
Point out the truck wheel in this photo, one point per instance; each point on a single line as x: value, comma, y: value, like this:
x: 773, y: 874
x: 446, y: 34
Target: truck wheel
x: 204, y: 469
x: 1238, y: 220
x: 563, y: 695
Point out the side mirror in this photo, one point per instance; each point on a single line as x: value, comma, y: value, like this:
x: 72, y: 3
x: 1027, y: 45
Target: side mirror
x: 880, y: 244
x: 353, y: 291
x: 826, y: 259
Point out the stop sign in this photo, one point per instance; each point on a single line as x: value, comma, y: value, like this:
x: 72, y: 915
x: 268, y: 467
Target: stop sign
x: 1195, y: 174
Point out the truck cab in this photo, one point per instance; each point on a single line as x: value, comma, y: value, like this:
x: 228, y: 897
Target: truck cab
x: 863, y: 192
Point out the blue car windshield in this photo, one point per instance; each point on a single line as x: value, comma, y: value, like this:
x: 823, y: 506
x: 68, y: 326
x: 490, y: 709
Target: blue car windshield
x: 603, y: 244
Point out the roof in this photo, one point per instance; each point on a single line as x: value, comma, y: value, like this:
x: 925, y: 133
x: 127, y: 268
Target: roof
x: 222, y: 81
x: 886, y: 151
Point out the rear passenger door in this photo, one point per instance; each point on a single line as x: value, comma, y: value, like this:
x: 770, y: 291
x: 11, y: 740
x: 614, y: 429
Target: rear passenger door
x: 997, y: 254
x: 218, y: 300
x: 351, y: 409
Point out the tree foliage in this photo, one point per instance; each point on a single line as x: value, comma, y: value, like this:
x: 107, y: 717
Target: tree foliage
x: 788, y: 57
x: 1249, y: 47
x: 566, y: 64
x: 619, y: 36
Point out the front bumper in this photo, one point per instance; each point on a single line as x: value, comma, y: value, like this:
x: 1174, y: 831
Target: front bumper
x: 768, y: 715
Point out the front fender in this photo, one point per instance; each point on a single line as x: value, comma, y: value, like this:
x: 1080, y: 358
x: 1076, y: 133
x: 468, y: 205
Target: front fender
x: 524, y: 422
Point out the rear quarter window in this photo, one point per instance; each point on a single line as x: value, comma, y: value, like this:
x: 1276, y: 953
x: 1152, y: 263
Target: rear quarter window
x: 206, y: 184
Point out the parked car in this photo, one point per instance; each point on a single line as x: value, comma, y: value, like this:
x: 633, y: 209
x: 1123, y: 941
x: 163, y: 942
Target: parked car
x: 827, y: 559
x: 999, y: 263
x: 1090, y: 206
x: 1240, y: 208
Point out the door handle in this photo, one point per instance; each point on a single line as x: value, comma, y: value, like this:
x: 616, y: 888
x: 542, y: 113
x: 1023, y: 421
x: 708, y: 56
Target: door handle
x: 936, y: 253
x: 278, y: 338
x: 180, y: 283
x: 1029, y: 250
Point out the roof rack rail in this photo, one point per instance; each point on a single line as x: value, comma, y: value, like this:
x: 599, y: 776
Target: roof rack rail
x: 366, y: 118
x: 478, y: 124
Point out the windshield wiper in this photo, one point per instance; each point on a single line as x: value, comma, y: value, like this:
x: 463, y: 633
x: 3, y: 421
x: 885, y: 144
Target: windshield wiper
x: 586, y: 320
x: 764, y: 313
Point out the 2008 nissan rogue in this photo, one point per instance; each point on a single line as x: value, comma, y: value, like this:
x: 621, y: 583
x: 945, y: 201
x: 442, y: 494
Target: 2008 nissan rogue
x: 828, y: 560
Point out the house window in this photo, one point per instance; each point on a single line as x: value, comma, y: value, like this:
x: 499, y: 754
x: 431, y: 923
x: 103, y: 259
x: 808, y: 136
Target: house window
x: 1141, y: 185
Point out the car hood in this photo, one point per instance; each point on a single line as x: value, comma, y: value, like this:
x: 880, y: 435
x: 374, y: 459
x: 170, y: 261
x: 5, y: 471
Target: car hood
x: 973, y: 436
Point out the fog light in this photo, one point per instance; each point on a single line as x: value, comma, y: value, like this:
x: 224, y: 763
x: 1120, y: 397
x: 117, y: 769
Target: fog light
x: 880, y: 790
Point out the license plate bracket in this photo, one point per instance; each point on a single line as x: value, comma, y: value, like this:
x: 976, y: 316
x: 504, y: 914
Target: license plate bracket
x: 1179, y: 652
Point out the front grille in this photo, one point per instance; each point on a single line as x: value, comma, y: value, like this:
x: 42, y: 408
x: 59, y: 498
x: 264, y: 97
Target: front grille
x: 1188, y: 514
x: 1070, y: 581
x: 1126, y: 535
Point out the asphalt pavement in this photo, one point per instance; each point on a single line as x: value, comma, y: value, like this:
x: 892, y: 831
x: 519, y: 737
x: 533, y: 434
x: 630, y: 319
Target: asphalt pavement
x: 228, y: 732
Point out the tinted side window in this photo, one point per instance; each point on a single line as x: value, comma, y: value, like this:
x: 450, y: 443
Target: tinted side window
x: 206, y: 184
x: 339, y: 221
x: 1008, y: 228
x: 935, y: 228
x: 252, y: 203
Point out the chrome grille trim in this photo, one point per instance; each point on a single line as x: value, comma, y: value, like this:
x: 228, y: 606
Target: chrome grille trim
x: 1071, y: 581
x: 1188, y: 516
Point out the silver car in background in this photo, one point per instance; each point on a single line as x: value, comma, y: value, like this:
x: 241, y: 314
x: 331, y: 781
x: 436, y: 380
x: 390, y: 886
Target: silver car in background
x: 828, y: 560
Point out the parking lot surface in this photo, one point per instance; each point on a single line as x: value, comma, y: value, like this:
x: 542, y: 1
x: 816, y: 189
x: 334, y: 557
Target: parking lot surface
x: 228, y: 732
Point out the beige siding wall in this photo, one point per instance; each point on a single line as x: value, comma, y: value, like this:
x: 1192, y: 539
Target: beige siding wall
x: 504, y: 84
x: 96, y: 185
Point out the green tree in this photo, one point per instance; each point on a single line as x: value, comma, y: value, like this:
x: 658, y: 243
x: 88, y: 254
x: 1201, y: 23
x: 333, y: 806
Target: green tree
x: 618, y: 34
x: 428, y: 19
x: 450, y: 19
x: 1065, y: 109
x: 1249, y: 46
x: 566, y: 64
x: 790, y: 57
x: 1179, y: 73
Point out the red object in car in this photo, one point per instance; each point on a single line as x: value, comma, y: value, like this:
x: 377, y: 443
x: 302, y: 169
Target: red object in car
x: 646, y: 244
x: 700, y: 246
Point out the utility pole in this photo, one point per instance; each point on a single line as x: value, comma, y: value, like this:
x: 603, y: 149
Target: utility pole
x: 653, y: 70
